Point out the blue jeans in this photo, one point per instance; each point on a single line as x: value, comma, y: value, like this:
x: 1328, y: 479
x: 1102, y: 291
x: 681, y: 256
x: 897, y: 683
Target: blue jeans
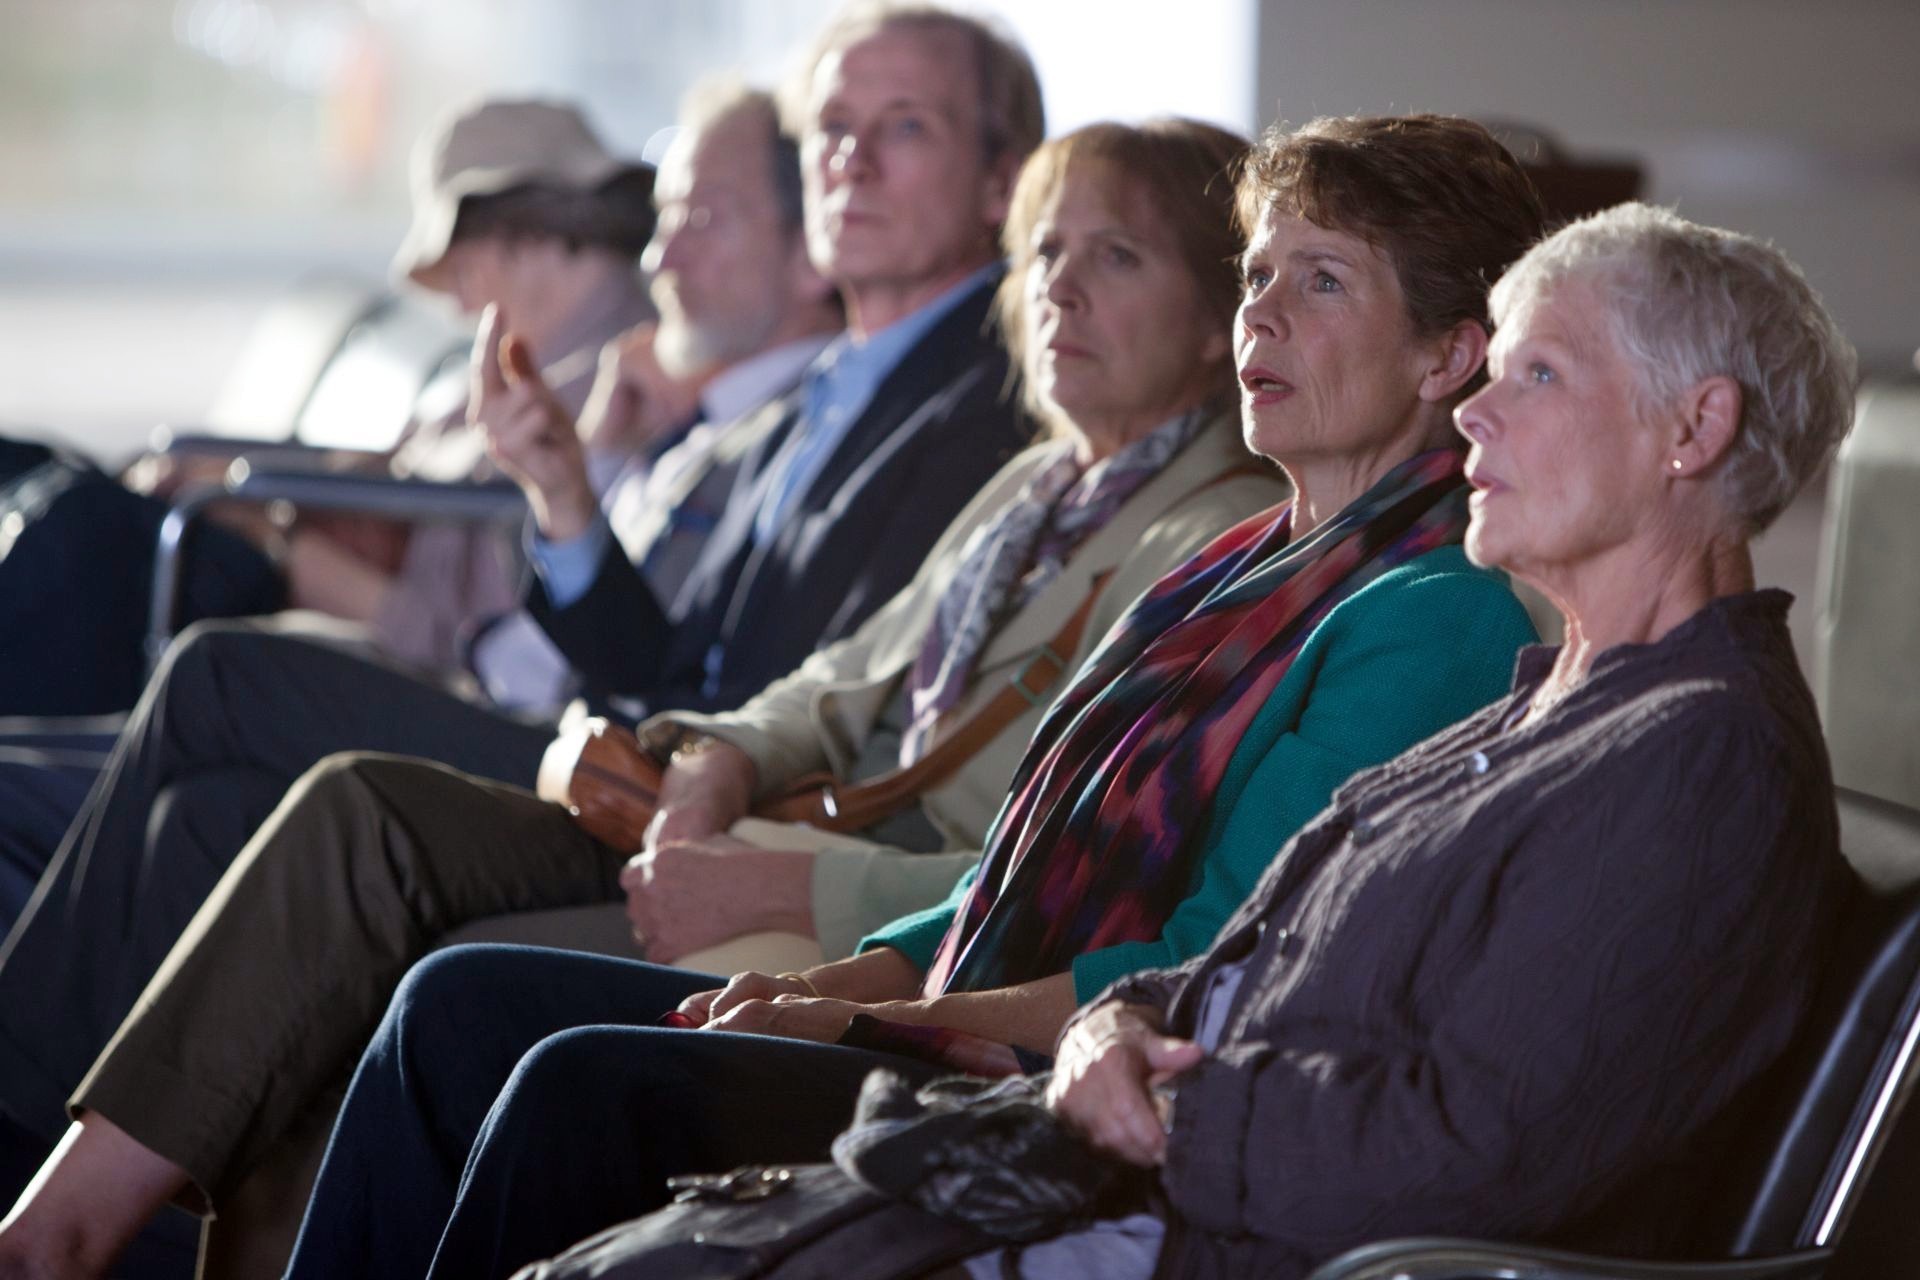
x: 516, y: 1100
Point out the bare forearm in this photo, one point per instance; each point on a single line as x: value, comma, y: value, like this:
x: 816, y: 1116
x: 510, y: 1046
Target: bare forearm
x: 565, y: 508
x: 778, y: 886
x: 705, y: 792
x: 1029, y: 1015
x: 873, y: 977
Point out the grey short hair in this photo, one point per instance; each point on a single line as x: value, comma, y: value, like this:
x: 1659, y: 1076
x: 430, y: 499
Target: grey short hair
x: 1687, y: 302
x: 722, y: 97
x: 1012, y: 117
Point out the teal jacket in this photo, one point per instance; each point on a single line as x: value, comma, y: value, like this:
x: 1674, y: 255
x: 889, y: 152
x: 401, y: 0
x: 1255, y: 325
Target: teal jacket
x: 1408, y: 654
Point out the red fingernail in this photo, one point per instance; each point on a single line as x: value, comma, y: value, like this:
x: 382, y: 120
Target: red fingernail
x: 676, y: 1019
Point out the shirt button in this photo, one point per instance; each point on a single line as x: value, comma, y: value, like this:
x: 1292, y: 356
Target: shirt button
x: 1479, y: 762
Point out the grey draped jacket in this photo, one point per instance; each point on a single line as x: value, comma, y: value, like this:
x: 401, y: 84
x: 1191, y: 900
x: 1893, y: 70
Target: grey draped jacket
x: 1501, y: 985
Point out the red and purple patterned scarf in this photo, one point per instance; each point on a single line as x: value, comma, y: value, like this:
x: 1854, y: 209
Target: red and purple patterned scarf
x: 1109, y: 808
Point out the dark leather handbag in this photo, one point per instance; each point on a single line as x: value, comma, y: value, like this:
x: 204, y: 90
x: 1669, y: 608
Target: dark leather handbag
x: 922, y: 1178
x: 986, y: 1153
x: 812, y: 1222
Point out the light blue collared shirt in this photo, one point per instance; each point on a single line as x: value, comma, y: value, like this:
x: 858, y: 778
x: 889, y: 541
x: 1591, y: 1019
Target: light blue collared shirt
x: 567, y: 569
x: 837, y: 390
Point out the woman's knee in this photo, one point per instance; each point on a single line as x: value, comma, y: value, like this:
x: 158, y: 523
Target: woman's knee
x: 467, y: 993
x: 458, y: 977
x: 446, y: 1030
x: 593, y: 1072
x: 430, y: 1018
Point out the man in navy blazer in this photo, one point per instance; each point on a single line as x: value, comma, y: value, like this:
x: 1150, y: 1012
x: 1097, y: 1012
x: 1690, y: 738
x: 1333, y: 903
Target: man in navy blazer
x: 844, y: 542
x: 911, y: 131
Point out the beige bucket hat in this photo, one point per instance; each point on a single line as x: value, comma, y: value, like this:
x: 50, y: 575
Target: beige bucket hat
x: 487, y: 149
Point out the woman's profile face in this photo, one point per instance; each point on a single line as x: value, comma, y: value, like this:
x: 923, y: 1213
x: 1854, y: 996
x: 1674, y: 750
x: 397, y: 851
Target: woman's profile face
x: 1118, y: 335
x: 1562, y: 466
x: 1329, y: 361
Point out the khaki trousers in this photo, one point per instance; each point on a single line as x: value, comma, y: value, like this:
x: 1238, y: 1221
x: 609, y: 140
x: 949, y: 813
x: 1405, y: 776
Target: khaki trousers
x: 258, y: 1014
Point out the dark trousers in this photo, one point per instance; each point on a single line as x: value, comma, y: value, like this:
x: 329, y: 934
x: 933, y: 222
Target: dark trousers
x: 516, y: 1100
x: 77, y: 581
x: 251, y: 1028
x: 47, y: 767
x: 236, y: 713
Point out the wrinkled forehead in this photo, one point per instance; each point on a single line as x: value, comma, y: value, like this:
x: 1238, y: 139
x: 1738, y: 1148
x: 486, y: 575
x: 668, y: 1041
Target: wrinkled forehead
x: 1282, y: 234
x: 1568, y: 313
x: 1100, y: 189
x: 732, y: 151
x: 930, y: 67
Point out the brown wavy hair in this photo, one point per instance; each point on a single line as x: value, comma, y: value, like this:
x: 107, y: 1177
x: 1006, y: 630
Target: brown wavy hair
x: 1438, y: 195
x: 1184, y: 169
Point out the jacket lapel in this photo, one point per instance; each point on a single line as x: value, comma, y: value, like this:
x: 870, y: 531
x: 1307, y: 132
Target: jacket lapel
x: 926, y: 372
x: 733, y: 534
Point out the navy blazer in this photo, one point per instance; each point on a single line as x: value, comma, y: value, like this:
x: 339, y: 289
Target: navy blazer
x: 939, y: 426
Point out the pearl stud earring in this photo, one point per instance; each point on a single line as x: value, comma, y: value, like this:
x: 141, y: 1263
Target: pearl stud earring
x: 1677, y: 464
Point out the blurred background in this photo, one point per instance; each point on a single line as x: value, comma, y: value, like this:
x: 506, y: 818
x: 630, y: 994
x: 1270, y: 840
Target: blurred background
x: 172, y: 167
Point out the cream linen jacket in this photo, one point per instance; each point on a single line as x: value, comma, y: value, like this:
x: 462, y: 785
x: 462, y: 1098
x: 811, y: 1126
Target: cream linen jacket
x: 820, y: 716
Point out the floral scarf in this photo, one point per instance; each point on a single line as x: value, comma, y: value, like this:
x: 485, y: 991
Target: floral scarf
x: 1106, y: 816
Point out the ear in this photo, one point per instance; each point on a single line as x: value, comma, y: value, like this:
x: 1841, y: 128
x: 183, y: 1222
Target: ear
x: 804, y: 281
x: 996, y: 202
x: 1709, y: 418
x: 1218, y: 348
x: 1456, y: 356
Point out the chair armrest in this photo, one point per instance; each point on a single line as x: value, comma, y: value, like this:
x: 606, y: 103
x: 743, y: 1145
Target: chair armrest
x: 499, y: 502
x: 1426, y: 1258
x: 167, y: 438
x: 274, y: 455
x: 496, y: 502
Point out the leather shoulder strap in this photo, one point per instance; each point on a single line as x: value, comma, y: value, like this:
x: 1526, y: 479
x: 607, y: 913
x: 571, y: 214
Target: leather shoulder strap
x: 862, y: 804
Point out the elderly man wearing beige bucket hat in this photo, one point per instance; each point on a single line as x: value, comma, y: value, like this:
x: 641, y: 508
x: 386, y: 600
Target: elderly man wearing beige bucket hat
x: 487, y: 150
x: 515, y: 203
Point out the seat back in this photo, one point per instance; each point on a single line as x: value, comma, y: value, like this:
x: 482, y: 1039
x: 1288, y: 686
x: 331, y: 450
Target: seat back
x: 1848, y: 1081
x: 1870, y: 600
x: 285, y: 353
x: 371, y: 387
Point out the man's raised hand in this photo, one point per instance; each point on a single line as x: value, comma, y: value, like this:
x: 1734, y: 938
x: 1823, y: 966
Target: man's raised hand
x: 529, y: 432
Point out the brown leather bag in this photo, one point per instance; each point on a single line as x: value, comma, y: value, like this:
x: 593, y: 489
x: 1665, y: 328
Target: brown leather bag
x: 611, y: 784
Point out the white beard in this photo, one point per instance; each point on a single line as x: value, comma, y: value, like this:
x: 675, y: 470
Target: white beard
x: 685, y: 349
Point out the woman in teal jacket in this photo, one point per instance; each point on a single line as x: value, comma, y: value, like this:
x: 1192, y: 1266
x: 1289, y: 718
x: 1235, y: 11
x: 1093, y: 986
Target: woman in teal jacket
x: 1422, y: 646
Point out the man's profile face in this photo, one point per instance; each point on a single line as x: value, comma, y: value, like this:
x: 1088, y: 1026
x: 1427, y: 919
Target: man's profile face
x: 720, y: 259
x: 898, y: 190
